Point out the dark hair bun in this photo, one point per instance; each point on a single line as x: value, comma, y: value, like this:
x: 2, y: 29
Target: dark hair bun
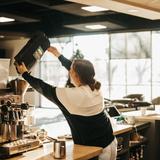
x: 97, y: 85
x: 86, y: 73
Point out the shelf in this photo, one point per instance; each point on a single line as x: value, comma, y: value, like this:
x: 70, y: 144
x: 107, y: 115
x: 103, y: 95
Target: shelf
x: 128, y: 148
x: 123, y: 151
x: 133, y: 145
x: 9, y: 91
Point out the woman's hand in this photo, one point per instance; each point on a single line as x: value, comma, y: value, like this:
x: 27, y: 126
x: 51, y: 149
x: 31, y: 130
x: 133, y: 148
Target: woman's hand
x: 21, y: 68
x: 54, y: 51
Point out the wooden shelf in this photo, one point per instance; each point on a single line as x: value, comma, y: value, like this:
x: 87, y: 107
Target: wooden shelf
x: 133, y: 145
x: 8, y: 91
x: 128, y: 148
x: 5, y: 90
x: 123, y: 151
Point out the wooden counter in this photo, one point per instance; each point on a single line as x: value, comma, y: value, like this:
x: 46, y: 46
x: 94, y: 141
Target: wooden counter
x: 149, y: 116
x: 73, y: 152
x: 119, y: 129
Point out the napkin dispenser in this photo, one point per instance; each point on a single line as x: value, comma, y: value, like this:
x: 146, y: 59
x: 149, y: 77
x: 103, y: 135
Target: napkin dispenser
x: 33, y: 50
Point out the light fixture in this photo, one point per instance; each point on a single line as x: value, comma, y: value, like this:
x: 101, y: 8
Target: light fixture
x: 6, y: 19
x: 94, y: 9
x: 96, y: 26
x: 1, y: 36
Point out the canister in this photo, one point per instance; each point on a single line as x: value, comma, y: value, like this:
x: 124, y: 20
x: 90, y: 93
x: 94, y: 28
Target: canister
x: 59, y: 149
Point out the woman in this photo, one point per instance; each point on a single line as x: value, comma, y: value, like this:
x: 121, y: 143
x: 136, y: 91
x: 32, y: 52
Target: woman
x: 81, y: 105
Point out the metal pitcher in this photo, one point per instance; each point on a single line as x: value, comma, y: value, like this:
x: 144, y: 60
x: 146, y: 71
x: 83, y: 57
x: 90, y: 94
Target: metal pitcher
x: 4, y: 133
x: 59, y: 149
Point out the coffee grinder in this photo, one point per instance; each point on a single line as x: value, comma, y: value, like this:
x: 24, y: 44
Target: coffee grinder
x: 14, y: 138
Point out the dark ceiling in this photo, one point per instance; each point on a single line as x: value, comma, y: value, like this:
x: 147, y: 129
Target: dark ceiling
x: 59, y: 17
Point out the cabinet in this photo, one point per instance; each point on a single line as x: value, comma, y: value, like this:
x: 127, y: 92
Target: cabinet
x: 123, y: 145
x: 132, y: 145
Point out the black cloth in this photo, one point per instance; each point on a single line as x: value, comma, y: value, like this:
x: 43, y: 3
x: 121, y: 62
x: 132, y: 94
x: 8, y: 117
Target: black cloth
x: 95, y: 130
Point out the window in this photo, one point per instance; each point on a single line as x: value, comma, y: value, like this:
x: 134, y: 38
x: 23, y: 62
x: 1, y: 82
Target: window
x: 96, y: 49
x: 125, y: 63
x: 155, y: 64
x: 51, y: 69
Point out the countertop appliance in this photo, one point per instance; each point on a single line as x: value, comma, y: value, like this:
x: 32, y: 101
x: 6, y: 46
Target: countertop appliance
x: 14, y: 137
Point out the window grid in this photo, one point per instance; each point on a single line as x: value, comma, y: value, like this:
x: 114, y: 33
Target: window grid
x: 108, y: 84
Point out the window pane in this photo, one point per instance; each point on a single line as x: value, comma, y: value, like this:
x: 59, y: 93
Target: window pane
x: 145, y: 90
x: 156, y: 57
x: 46, y: 103
x: 105, y: 90
x: 92, y: 46
x: 52, y: 71
x: 117, y: 72
x: 101, y: 71
x: 138, y: 71
x: 155, y: 91
x: 118, y: 46
x: 96, y: 49
x: 117, y: 91
x: 64, y: 45
x: 138, y: 45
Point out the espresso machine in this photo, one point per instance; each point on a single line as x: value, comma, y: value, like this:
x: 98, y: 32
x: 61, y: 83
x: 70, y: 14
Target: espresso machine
x: 14, y: 138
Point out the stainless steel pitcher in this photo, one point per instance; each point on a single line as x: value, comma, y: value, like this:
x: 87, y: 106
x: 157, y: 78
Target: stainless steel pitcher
x: 59, y: 149
x: 4, y: 133
x: 10, y: 132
